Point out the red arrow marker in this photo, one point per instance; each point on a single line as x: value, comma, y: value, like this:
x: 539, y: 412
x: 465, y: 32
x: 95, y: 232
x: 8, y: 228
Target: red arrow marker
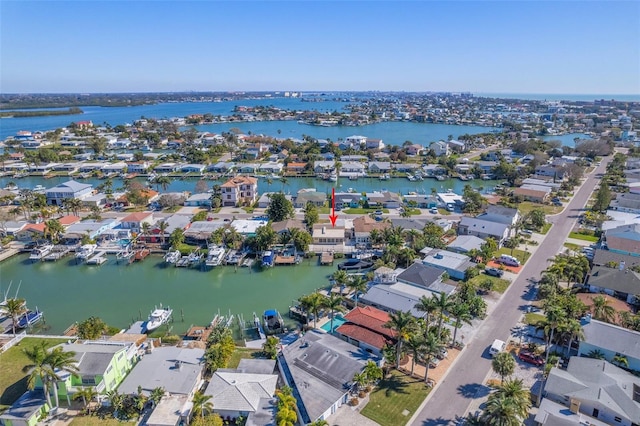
x: 333, y: 216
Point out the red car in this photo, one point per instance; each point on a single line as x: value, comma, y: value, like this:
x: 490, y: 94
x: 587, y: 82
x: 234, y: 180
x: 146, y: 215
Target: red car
x: 531, y: 358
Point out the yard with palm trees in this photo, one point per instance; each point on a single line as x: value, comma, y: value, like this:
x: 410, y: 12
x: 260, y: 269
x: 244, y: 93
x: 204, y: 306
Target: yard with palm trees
x: 13, y: 381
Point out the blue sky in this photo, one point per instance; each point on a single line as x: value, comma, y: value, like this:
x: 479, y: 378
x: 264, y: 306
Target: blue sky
x: 569, y: 47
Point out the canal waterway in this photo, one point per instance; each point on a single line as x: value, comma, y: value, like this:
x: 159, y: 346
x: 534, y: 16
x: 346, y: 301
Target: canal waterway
x: 119, y: 294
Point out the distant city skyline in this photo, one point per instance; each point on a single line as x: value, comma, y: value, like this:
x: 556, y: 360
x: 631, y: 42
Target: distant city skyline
x: 480, y: 47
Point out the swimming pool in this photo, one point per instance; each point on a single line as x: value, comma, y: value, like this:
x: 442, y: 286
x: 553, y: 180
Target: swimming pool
x: 338, y: 320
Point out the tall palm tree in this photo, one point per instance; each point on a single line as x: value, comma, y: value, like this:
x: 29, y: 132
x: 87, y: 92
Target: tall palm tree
x: 15, y: 308
x: 432, y: 347
x: 341, y: 278
x: 73, y: 204
x: 162, y: 226
x: 404, y: 324
x: 520, y: 396
x: 53, y: 229
x: 116, y: 400
x: 38, y: 368
x: 500, y: 411
x: 372, y: 371
x: 201, y: 404
x: 504, y: 364
x: 60, y: 360
x: 334, y: 304
x: 620, y: 361
x: 86, y: 394
x: 358, y: 284
x: 162, y: 181
x: 312, y: 303
x: 156, y: 395
x: 415, y: 346
x: 444, y: 303
x: 602, y: 311
x: 571, y: 330
x: 461, y: 313
x: 429, y: 306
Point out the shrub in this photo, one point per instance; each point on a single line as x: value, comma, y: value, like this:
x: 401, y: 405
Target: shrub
x: 354, y: 401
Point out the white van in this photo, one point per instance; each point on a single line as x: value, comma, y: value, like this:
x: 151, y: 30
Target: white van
x: 496, y: 347
x: 505, y: 259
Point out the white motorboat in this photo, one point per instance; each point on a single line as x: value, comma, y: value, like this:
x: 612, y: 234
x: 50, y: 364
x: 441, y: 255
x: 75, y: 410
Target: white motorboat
x: 216, y: 255
x: 41, y: 252
x: 158, y: 317
x: 86, y: 251
x: 172, y: 256
x: 333, y: 177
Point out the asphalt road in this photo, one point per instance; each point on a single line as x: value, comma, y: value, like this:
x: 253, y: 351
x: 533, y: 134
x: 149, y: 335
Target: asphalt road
x: 464, y: 383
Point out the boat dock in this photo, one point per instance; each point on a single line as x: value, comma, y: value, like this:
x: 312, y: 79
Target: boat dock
x: 286, y: 260
x: 183, y: 262
x: 140, y: 255
x: 57, y: 253
x: 5, y: 254
x: 98, y: 258
x: 326, y: 258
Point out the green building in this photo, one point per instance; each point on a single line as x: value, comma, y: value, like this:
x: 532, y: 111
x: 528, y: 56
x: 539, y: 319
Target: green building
x: 26, y: 411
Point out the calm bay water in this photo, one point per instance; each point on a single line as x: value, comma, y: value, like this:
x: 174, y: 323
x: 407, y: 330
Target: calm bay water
x: 118, y: 293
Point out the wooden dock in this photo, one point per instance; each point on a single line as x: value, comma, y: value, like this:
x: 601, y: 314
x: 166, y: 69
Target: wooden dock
x: 326, y: 258
x: 5, y: 254
x: 141, y: 255
x: 286, y: 260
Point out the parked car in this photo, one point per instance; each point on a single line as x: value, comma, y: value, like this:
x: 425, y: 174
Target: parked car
x: 526, y: 232
x: 433, y: 210
x: 494, y: 272
x: 434, y: 362
x: 378, y: 213
x: 442, y: 354
x: 530, y: 358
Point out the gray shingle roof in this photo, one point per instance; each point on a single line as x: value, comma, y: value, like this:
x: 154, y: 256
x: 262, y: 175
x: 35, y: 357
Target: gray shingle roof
x: 484, y: 226
x: 420, y: 275
x: 611, y: 337
x: 321, y: 367
x: 235, y: 391
x: 69, y: 185
x: 596, y: 381
x: 625, y: 281
x: 26, y: 406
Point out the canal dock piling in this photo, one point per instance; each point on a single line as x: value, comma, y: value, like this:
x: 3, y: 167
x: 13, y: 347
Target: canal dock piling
x: 326, y: 258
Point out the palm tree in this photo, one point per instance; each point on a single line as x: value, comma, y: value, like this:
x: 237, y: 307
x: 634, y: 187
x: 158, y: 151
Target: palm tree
x: 429, y: 306
x: 360, y: 379
x: 504, y: 364
x: 116, y: 400
x: 15, y: 308
x: 60, y: 360
x: 620, y: 361
x: 403, y: 323
x: 372, y: 371
x: 162, y: 226
x: 162, y: 181
x: 86, y: 394
x: 73, y: 204
x: 145, y: 228
x: 602, y: 311
x: 313, y: 303
x: 156, y: 395
x: 444, y: 303
x: 596, y: 354
x: 358, y: 284
x: 515, y: 391
x: 432, y: 347
x: 53, y: 228
x: 461, y: 313
x: 38, y: 368
x: 341, y: 278
x: 334, y: 304
x: 415, y: 345
x: 201, y: 404
x: 500, y: 411
x: 571, y: 330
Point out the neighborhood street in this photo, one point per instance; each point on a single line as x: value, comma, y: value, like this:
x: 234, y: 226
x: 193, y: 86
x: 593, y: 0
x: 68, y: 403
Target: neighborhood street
x: 464, y: 382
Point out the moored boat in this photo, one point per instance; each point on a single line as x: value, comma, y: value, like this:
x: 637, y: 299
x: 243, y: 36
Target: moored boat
x: 215, y: 256
x: 273, y: 322
x: 355, y: 265
x: 267, y: 259
x: 172, y: 256
x: 30, y: 318
x: 85, y: 252
x: 157, y: 317
x: 41, y: 252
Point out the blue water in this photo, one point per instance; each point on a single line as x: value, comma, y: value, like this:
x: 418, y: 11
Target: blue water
x: 561, y: 97
x: 338, y: 320
x: 568, y: 139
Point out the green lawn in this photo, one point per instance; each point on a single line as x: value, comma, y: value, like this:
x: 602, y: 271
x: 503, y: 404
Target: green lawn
x: 571, y: 246
x: 521, y: 255
x: 243, y: 353
x: 545, y: 228
x: 444, y: 212
x: 533, y: 319
x: 324, y: 210
x: 526, y: 206
x: 13, y: 382
x: 499, y: 285
x: 583, y: 237
x: 414, y: 212
x: 364, y: 211
x: 396, y: 393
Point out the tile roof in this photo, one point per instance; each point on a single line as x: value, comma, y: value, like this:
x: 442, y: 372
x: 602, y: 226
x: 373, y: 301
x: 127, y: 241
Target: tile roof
x: 239, y: 180
x: 366, y: 224
x: 69, y: 220
x: 370, y: 318
x: 137, y: 216
x: 363, y: 335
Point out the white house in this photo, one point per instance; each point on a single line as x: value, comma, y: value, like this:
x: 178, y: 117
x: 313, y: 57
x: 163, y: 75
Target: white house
x: 71, y: 189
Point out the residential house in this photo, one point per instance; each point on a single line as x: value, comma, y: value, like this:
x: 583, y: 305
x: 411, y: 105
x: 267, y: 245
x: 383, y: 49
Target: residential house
x: 327, y: 235
x: 550, y: 171
x: 362, y: 227
x: 223, y: 167
x: 102, y: 365
x: 265, y: 199
x: 248, y: 228
x: 345, y: 200
x: 11, y: 227
x: 96, y: 200
x: 406, y: 167
x: 135, y: 221
x: 624, y: 239
x: 167, y: 168
x: 239, y: 392
x: 612, y: 340
x: 602, y: 257
x: 465, y: 243
x: 379, y: 167
x: 620, y: 282
x: 487, y: 167
x: 90, y: 228
x: 248, y: 167
x: 175, y: 221
x: 193, y: 168
x: 355, y: 141
x: 296, y: 168
x: 240, y: 190
x: 324, y: 166
x: 287, y: 225
x: 118, y: 167
x: 320, y: 368
x: 414, y: 149
x: 454, y: 264
x: 440, y: 148
x: 352, y: 168
x: 199, y: 200
x: 365, y: 328
x: 138, y: 166
x: 551, y: 413
x: 172, y: 410
x: 35, y: 231
x: 457, y: 146
x: 374, y: 144
x: 421, y: 201
x: 533, y: 195
x: 500, y: 214
x: 386, y: 199
x: 484, y: 229
x: 596, y: 388
x: 176, y: 369
x: 272, y: 167
x: 309, y: 195
x: 67, y: 190
x: 147, y: 195
x: 200, y: 231
x: 626, y: 202
x: 27, y: 410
